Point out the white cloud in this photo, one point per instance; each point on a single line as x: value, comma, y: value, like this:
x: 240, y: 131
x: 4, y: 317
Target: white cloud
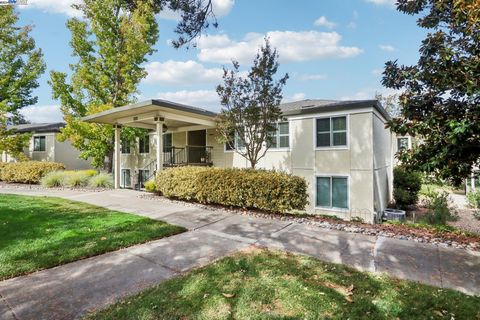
x: 291, y: 45
x: 57, y: 6
x: 324, y: 22
x: 383, y: 2
x: 42, y: 114
x: 181, y: 72
x: 311, y: 77
x: 220, y: 8
x: 207, y: 99
x: 387, y: 47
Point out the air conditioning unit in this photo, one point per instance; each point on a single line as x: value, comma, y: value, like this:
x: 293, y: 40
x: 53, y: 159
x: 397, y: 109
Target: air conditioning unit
x: 394, y: 215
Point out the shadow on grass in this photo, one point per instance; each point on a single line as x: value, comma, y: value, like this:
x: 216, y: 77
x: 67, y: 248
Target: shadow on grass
x: 272, y: 285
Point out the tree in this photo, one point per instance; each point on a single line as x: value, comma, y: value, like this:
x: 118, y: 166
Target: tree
x: 440, y: 103
x: 21, y: 64
x: 251, y: 105
x: 111, y: 43
x: 390, y: 103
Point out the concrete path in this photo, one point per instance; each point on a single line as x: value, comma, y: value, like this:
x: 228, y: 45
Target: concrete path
x: 71, y: 290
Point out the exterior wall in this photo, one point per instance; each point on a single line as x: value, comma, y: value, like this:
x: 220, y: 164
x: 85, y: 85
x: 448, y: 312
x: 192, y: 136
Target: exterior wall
x: 365, y: 161
x: 382, y: 163
x: 68, y: 155
x: 48, y: 154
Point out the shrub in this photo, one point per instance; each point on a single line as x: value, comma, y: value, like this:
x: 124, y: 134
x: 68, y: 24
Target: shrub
x: 245, y: 188
x: 28, y: 171
x: 406, y: 186
x: 76, y: 179
x: 150, y: 186
x: 102, y: 180
x: 53, y: 179
x: 438, y: 210
x: 473, y: 199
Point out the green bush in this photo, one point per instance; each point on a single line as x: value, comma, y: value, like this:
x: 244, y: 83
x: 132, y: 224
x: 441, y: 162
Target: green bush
x: 473, y: 199
x: 245, y: 188
x: 76, y: 179
x: 406, y: 186
x: 101, y: 180
x: 27, y: 171
x: 150, y: 186
x: 438, y: 210
x: 53, y: 179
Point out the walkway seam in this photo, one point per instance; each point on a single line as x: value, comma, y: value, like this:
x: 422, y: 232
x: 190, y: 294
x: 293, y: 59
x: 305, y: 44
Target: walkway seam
x: 378, y: 242
x: 9, y: 307
x: 210, y: 223
x: 440, y: 271
x: 155, y: 263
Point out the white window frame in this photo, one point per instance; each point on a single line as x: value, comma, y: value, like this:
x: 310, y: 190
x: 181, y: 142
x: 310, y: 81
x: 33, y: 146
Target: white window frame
x: 277, y: 137
x: 39, y: 137
x: 347, y: 131
x: 122, y: 185
x: 235, y: 142
x: 335, y: 209
x: 149, y: 146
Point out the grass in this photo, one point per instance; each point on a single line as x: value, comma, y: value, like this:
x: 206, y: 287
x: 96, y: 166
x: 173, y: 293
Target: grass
x: 42, y: 232
x: 272, y: 285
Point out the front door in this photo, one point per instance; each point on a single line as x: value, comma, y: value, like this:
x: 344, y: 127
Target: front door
x: 197, y: 141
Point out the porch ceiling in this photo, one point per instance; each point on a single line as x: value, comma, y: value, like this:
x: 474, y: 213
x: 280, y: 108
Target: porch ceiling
x: 142, y: 115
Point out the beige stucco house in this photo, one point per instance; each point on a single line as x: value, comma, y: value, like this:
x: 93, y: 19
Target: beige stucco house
x: 341, y: 148
x: 44, y: 146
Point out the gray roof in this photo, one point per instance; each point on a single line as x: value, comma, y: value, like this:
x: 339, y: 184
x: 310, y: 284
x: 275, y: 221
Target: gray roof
x: 38, y: 127
x: 315, y: 106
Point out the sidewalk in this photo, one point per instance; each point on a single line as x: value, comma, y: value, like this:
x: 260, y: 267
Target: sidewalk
x: 71, y: 290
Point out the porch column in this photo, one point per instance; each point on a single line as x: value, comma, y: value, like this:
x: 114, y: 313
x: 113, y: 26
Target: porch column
x: 116, y: 156
x: 159, y: 123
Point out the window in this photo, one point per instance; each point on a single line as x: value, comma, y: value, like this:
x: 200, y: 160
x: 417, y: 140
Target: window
x: 332, y: 132
x: 125, y: 147
x: 167, y: 142
x: 126, y: 181
x: 39, y: 143
x: 235, y: 142
x: 144, y: 144
x: 281, y: 138
x: 402, y: 143
x: 332, y: 192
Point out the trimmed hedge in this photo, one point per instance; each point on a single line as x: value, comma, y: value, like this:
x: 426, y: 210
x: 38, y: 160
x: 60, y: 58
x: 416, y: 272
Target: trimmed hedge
x: 246, y: 188
x: 27, y: 171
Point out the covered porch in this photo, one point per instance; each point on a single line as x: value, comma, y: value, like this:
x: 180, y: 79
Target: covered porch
x: 163, y: 118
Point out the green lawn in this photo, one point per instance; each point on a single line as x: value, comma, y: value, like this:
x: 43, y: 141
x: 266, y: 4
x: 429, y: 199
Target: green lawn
x: 273, y: 285
x: 42, y: 232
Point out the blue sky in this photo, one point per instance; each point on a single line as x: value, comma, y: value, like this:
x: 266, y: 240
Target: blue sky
x: 331, y: 49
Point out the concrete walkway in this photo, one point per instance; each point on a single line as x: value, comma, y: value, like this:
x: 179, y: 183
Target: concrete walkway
x: 71, y: 290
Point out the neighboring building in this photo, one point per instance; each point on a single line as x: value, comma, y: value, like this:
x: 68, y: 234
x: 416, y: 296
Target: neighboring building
x: 341, y: 148
x: 44, y: 146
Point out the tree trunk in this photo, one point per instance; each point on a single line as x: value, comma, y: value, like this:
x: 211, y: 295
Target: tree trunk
x: 108, y: 166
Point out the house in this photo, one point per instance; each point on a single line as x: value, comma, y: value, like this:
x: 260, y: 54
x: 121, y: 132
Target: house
x: 44, y: 146
x: 341, y: 148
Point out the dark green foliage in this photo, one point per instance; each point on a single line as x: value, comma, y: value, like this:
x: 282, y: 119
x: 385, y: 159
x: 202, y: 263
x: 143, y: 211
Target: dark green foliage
x: 440, y: 103
x: 406, y: 186
x: 27, y: 171
x: 40, y: 232
x: 275, y: 285
x: 438, y: 210
x: 244, y: 188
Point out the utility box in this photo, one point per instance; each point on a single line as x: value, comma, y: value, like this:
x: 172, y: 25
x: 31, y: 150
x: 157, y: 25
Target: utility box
x: 394, y: 215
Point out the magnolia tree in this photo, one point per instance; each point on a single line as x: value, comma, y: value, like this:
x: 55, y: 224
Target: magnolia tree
x: 250, y: 105
x: 440, y: 102
x: 21, y: 64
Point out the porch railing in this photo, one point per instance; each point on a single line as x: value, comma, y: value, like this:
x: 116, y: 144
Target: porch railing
x: 188, y: 155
